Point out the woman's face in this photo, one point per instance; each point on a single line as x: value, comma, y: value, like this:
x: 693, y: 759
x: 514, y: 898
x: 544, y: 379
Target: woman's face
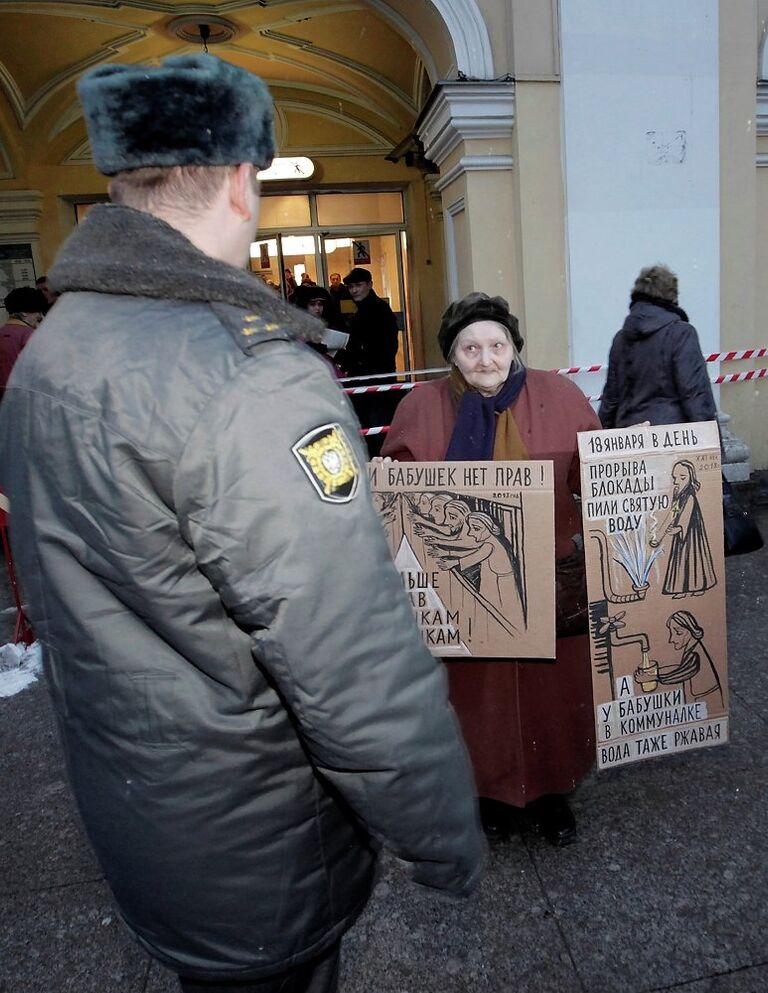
x: 678, y: 636
x: 483, y: 354
x: 316, y: 307
x: 478, y: 530
x: 680, y: 476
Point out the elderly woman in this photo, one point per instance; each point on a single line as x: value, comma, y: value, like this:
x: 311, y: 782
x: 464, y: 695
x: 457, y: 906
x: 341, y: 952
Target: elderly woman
x: 529, y: 724
x: 656, y: 371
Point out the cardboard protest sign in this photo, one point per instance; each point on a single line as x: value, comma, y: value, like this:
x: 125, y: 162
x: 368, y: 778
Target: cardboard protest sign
x: 474, y: 543
x: 653, y: 536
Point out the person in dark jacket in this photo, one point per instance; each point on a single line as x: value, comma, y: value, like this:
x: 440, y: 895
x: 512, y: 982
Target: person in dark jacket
x: 373, y: 333
x: 26, y: 307
x: 372, y: 347
x: 247, y: 709
x: 656, y: 371
x: 317, y: 301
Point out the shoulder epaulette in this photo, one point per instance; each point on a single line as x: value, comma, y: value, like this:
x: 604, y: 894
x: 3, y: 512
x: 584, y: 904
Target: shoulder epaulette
x: 250, y: 328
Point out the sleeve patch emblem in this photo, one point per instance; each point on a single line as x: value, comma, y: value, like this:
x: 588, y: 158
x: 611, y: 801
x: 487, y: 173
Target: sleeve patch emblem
x: 327, y: 458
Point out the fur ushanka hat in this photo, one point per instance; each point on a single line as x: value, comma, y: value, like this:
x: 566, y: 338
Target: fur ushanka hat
x: 191, y: 110
x: 476, y: 307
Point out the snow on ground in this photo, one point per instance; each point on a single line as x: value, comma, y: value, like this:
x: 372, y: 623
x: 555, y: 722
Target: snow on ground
x: 20, y: 665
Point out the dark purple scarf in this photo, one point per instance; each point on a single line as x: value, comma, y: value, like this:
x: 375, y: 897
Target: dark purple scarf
x: 475, y: 430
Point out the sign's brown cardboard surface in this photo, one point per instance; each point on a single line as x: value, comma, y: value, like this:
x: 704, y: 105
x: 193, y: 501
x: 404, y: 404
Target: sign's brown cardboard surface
x: 475, y: 546
x: 653, y: 537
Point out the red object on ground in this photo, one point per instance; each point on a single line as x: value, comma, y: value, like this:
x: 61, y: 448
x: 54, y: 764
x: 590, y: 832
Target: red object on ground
x: 22, y: 631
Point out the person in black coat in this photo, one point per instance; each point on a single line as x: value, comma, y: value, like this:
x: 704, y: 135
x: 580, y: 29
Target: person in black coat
x: 373, y: 331
x: 656, y: 371
x: 371, y: 349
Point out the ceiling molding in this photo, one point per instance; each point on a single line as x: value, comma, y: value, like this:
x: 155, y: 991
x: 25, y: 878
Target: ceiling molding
x: 406, y: 30
x: 280, y: 125
x: 151, y: 5
x: 460, y: 111
x: 382, y: 141
x: 13, y: 93
x: 350, y: 64
x: 74, y: 112
x: 338, y: 95
x: 20, y: 212
x: 64, y: 9
x: 26, y: 110
x: 80, y: 154
x: 341, y: 93
x: 6, y: 163
x: 333, y: 151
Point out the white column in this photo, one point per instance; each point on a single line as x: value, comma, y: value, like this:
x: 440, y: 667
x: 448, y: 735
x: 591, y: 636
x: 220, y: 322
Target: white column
x: 641, y: 149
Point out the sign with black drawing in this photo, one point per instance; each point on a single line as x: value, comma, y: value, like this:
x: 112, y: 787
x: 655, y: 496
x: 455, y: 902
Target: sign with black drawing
x: 474, y: 544
x: 653, y: 535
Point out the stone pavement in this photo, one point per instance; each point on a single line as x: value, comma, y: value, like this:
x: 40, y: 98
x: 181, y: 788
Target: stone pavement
x: 666, y: 889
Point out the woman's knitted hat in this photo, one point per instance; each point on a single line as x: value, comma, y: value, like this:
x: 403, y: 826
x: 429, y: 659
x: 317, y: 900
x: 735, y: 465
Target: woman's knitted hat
x: 476, y: 307
x: 303, y: 294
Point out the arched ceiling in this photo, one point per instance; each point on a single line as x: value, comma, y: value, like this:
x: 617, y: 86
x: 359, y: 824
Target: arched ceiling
x: 348, y: 77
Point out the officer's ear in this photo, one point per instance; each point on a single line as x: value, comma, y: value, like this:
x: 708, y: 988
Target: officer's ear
x: 243, y: 190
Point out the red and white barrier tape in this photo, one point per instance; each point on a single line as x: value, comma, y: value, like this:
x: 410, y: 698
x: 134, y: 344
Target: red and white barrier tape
x: 388, y: 375
x: 572, y: 370
x: 740, y: 377
x: 746, y: 353
x: 386, y: 388
x: 732, y: 377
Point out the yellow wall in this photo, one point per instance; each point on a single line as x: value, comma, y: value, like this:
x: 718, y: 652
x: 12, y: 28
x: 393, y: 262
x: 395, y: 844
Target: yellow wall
x: 744, y: 206
x: 539, y: 183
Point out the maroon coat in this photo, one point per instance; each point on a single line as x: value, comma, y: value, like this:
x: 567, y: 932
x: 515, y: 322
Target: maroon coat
x: 529, y: 725
x: 13, y: 337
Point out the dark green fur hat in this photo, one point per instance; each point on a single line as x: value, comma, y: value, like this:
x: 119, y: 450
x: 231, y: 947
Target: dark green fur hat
x: 191, y: 110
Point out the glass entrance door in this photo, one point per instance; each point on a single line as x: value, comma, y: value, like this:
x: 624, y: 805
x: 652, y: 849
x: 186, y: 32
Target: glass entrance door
x: 314, y: 236
x: 379, y: 254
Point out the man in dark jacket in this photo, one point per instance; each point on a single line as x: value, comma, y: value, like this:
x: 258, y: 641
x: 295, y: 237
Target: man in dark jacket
x: 372, y: 347
x: 373, y: 333
x: 656, y: 371
x: 247, y: 708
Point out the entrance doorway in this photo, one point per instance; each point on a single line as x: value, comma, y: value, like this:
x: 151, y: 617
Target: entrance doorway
x: 309, y: 236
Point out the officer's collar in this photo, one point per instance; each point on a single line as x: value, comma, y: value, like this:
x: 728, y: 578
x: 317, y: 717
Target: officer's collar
x: 124, y: 251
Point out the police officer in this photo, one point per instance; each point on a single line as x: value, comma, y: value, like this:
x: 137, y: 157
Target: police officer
x: 245, y: 703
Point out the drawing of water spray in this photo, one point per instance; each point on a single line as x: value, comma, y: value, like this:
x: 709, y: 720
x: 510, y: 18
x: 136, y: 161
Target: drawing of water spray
x: 630, y: 551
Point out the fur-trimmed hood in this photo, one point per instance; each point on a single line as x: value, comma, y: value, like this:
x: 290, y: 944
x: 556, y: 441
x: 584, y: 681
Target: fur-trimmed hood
x: 129, y: 252
x: 647, y: 315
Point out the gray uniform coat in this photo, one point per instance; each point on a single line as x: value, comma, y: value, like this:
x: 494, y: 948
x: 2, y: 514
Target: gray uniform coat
x: 656, y: 371
x: 246, y: 707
